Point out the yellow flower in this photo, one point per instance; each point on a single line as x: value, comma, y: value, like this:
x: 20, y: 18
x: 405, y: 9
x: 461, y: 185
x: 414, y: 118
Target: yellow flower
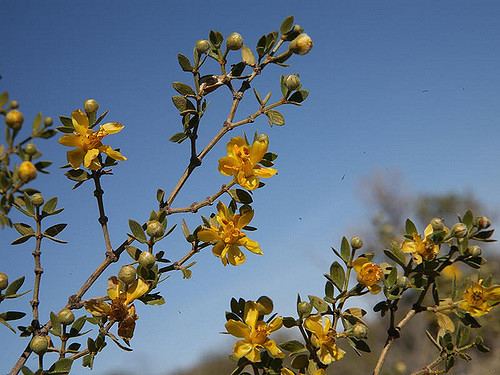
x: 478, y: 300
x: 121, y: 308
x: 323, y: 338
x: 242, y: 161
x: 88, y: 142
x: 451, y: 271
x: 226, y: 235
x: 421, y: 249
x: 369, y: 274
x: 285, y: 371
x: 254, y: 333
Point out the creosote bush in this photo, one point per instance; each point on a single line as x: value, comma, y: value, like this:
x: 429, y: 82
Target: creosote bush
x: 81, y: 330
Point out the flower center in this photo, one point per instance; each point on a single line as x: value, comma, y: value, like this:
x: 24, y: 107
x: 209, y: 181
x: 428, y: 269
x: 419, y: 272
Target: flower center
x: 231, y: 234
x: 259, y: 334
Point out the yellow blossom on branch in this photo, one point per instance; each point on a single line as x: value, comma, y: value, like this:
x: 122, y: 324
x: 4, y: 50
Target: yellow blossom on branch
x: 323, y: 338
x: 421, y: 248
x: 254, y: 333
x: 225, y: 233
x: 478, y: 300
x: 121, y: 308
x: 368, y: 274
x: 88, y: 142
x: 451, y: 271
x: 242, y: 161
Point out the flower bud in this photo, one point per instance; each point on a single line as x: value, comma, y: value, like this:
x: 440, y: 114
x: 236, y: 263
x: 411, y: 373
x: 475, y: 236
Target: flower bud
x: 48, y: 121
x: 4, y: 280
x: 360, y: 331
x: 39, y: 344
x: 155, y: 229
x: 459, y: 230
x: 437, y: 224
x: 30, y: 149
x: 402, y: 282
x: 356, y: 242
x: 37, y: 199
x: 234, y: 41
x: 483, y: 222
x: 91, y: 105
x: 292, y: 82
x: 127, y: 274
x: 27, y: 171
x: 301, y: 44
x: 66, y: 316
x: 14, y: 104
x: 473, y: 251
x: 304, y: 309
x: 146, y: 259
x: 14, y: 119
x: 202, y: 46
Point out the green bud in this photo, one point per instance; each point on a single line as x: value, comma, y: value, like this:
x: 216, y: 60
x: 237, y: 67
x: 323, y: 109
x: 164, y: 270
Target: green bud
x: 14, y: 104
x: 301, y: 45
x: 30, y: 149
x: 128, y: 274
x: 91, y: 105
x: 37, y: 199
x: 483, y: 222
x: 356, y: 242
x: 39, y: 344
x: 146, y: 259
x: 292, y: 82
x: 155, y: 229
x: 473, y: 251
x: 402, y: 282
x: 4, y: 280
x: 48, y: 121
x: 304, y: 309
x: 202, y: 46
x: 66, y: 316
x: 437, y: 224
x: 234, y: 42
x: 459, y: 230
x: 14, y: 119
x: 360, y: 331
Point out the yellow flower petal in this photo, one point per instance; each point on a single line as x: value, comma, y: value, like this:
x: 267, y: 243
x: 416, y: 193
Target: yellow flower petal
x: 112, y: 127
x: 238, y: 329
x: 89, y: 157
x: 242, y: 348
x: 80, y: 121
x: 313, y: 324
x: 235, y: 256
x: 97, y: 308
x: 251, y: 314
x: 273, y: 349
x: 263, y: 172
x: 245, y: 218
x: 208, y: 235
x: 70, y: 140
x: 254, y: 355
x: 113, y: 287
x: 75, y: 157
x: 228, y: 166
x: 359, y: 262
x: 236, y: 141
x: 136, y: 290
x: 275, y: 324
x: 259, y: 148
x: 428, y: 230
x: 112, y: 153
x: 251, y: 245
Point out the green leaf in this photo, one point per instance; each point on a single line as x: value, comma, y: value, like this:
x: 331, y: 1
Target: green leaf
x: 24, y: 229
x: 77, y: 175
x: 27, y: 371
x: 292, y: 346
x: 56, y: 325
x: 182, y: 104
x: 298, y: 96
x: 261, y: 46
x: 22, y: 239
x: 77, y: 326
x: 14, y: 286
x: 390, y: 280
x: 241, y: 196
x: 410, y: 227
x: 178, y: 137
x: 237, y: 69
x: 275, y: 118
x: 266, y: 303
x: 134, y: 252
x: 286, y: 25
x: 67, y: 122
x: 50, y: 206
x: 216, y: 38
x: 137, y: 231
x: 4, y: 98
x: 360, y: 345
x: 345, y: 250
x: 337, y: 275
x: 12, y: 315
x: 247, y: 55
x: 468, y: 219
x: 54, y: 230
x: 182, y: 88
x: 329, y: 290
x: 319, y: 304
x: 37, y: 122
x: 62, y: 366
x: 184, y: 63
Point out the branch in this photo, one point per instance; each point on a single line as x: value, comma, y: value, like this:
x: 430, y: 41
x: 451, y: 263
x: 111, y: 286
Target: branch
x: 38, y: 269
x: 103, y: 219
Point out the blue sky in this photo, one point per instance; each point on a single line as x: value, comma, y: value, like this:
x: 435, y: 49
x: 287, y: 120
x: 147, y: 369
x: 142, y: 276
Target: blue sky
x: 395, y: 85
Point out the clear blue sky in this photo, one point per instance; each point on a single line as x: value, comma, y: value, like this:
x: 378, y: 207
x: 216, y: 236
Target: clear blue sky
x: 395, y: 85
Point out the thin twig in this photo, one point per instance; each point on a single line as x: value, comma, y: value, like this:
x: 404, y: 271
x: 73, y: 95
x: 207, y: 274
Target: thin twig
x: 35, y: 302
x: 103, y: 219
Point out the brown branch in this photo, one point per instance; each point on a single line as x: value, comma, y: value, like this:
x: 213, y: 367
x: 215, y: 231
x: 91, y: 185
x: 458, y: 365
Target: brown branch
x: 103, y: 219
x: 390, y: 341
x: 35, y: 302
